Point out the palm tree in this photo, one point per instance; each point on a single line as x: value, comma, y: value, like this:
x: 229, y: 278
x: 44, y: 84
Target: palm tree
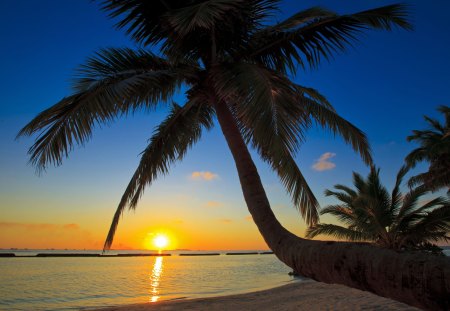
x: 236, y: 68
x: 435, y: 149
x: 394, y: 221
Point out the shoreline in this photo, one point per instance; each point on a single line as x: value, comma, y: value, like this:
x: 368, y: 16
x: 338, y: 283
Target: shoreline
x: 305, y: 295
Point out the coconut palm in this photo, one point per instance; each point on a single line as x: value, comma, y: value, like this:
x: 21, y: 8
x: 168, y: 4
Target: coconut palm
x: 396, y: 221
x: 235, y: 67
x: 435, y: 149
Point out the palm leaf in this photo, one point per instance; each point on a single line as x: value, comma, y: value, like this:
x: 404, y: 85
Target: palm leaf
x: 292, y: 178
x: 341, y: 196
x: 337, y: 232
x: 169, y: 143
x: 420, y: 213
x: 313, y: 34
x: 408, y: 208
x: 433, y: 227
x: 342, y: 213
x: 328, y: 118
x: 264, y: 100
x: 203, y: 15
x: 112, y: 83
x: 187, y: 29
x: 282, y: 162
x: 396, y: 195
x: 348, y: 190
x: 143, y: 20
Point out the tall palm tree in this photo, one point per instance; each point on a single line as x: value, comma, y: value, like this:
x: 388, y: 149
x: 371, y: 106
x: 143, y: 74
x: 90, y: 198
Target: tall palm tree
x: 435, y: 149
x: 236, y: 68
x: 393, y: 220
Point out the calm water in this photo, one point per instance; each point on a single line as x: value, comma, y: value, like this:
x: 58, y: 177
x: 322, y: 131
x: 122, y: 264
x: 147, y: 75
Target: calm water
x: 88, y: 282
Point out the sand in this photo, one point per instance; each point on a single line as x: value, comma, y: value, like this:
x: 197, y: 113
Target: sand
x: 308, y: 295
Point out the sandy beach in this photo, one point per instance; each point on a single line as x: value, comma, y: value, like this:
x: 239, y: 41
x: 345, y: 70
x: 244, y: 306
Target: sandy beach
x: 308, y: 295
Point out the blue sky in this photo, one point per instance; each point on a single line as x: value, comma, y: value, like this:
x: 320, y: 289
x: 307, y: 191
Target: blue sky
x: 384, y: 85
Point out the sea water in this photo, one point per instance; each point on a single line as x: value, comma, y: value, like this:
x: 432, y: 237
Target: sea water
x: 64, y: 283
x: 83, y: 283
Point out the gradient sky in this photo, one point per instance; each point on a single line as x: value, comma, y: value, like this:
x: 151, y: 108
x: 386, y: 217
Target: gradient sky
x: 384, y: 85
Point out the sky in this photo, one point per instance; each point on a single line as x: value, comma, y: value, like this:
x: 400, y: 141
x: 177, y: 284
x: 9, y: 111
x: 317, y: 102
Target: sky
x: 385, y: 84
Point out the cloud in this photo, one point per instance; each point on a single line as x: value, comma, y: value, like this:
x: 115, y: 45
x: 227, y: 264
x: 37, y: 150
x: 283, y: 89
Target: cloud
x: 249, y: 218
x: 226, y: 220
x: 213, y: 204
x: 323, y: 163
x: 208, y: 176
x: 178, y: 221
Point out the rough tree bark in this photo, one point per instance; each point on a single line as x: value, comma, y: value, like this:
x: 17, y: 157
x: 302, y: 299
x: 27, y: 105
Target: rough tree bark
x: 416, y: 279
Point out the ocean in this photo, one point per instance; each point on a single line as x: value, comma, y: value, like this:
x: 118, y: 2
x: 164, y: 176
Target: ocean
x: 83, y: 283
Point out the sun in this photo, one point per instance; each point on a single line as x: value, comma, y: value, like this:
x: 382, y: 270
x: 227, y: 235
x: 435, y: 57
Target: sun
x: 161, y: 241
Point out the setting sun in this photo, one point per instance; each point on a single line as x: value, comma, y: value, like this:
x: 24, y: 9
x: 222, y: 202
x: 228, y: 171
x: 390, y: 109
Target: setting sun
x: 160, y: 241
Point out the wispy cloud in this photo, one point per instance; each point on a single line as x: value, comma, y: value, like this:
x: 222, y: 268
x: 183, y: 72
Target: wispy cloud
x: 323, y: 163
x: 213, y: 204
x: 226, y: 220
x: 208, y: 176
x: 249, y: 218
x: 178, y: 221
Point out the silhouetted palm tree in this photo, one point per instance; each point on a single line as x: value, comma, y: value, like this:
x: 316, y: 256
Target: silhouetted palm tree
x: 236, y: 68
x: 434, y: 149
x: 396, y: 221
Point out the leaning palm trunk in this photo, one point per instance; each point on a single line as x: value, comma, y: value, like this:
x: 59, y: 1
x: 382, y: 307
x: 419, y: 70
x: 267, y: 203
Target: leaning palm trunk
x: 417, y: 279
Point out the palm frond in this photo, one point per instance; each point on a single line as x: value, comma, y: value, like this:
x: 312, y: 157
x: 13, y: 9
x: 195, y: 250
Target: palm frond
x: 314, y: 95
x: 112, y: 83
x: 336, y: 231
x: 143, y: 20
x: 435, y: 124
x: 269, y: 117
x: 169, y: 143
x: 311, y: 35
x: 378, y: 200
x: 433, y: 179
x: 416, y: 156
x: 433, y: 227
x: 396, y: 195
x: 435, y: 149
x: 341, y: 196
x: 445, y: 110
x: 149, y: 22
x: 409, y: 205
x: 329, y: 119
x: 301, y: 18
x: 283, y: 163
x: 348, y: 190
x: 359, y: 182
x: 292, y: 178
x: 274, y: 113
x: 187, y: 29
x: 264, y: 100
x: 342, y: 213
x: 418, y: 214
x: 203, y: 15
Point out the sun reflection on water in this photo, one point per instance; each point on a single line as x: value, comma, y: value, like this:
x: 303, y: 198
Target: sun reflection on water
x: 154, y: 279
